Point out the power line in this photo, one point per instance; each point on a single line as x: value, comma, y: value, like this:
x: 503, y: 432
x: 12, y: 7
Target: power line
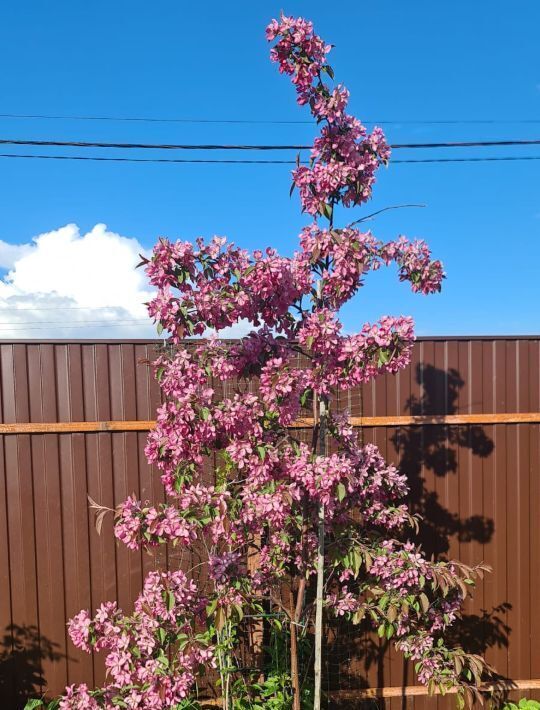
x: 240, y: 147
x: 146, y: 146
x: 203, y: 161
x: 151, y: 160
x: 254, y: 121
x: 84, y: 322
x: 490, y: 159
x: 58, y: 308
x: 67, y: 327
x: 71, y: 327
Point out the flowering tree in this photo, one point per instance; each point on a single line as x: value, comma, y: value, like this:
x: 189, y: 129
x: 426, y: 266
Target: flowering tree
x: 334, y: 521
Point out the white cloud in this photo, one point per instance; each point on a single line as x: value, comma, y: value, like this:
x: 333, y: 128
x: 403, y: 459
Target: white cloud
x: 232, y: 332
x: 64, y: 284
x: 10, y: 253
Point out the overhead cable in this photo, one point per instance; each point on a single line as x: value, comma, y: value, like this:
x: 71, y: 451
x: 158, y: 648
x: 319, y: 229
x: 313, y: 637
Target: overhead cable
x: 241, y: 147
x: 217, y: 161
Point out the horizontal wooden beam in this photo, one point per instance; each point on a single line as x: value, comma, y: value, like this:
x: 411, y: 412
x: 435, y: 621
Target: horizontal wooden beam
x: 436, y: 420
x: 302, y: 423
x: 399, y: 692
x: 74, y: 427
x: 421, y: 690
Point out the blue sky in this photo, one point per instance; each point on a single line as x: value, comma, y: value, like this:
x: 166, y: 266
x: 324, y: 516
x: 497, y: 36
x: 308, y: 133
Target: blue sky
x: 402, y: 62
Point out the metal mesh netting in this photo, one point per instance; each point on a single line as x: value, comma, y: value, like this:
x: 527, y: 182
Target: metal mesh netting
x: 355, y: 658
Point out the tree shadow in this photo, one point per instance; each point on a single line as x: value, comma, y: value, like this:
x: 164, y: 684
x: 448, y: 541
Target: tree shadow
x: 22, y: 652
x: 351, y: 653
x: 435, y: 448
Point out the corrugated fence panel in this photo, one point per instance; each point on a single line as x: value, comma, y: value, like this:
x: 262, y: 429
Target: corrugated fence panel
x: 52, y: 562
x: 477, y: 488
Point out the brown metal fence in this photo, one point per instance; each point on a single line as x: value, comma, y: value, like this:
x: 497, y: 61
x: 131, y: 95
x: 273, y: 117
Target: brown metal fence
x: 476, y: 484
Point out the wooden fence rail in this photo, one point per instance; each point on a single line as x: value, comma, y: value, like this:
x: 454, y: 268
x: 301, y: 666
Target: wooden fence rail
x: 303, y: 423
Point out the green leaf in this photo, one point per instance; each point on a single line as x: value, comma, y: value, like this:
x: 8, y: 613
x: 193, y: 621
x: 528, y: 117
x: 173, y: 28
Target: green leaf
x: 358, y: 616
x: 328, y: 69
x: 327, y: 210
x: 163, y: 660
x: 170, y: 601
x: 159, y: 329
x: 182, y: 640
x: 384, y: 357
x: 304, y: 396
x: 424, y: 601
x: 261, y: 450
x: 162, y: 635
x: 341, y: 492
x: 368, y: 560
x: 356, y: 561
x: 34, y: 703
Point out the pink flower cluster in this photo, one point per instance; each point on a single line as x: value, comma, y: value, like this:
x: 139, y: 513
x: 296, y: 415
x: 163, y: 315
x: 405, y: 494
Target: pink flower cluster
x: 147, y: 666
x: 344, y: 157
x: 245, y: 358
x: 412, y: 601
x: 343, y: 362
x: 399, y: 567
x: 137, y: 525
x: 179, y: 256
x: 78, y: 697
x: 225, y: 567
x: 343, y: 603
x: 281, y: 387
x: 344, y: 256
x: 415, y: 264
x: 299, y: 52
x: 219, y: 285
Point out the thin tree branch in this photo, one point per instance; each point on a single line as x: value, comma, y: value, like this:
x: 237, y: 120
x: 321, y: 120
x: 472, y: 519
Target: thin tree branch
x: 384, y: 209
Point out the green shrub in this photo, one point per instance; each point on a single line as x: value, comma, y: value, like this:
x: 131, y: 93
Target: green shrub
x: 524, y: 704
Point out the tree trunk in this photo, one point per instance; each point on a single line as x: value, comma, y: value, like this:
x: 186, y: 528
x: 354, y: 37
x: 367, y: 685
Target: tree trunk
x: 323, y: 413
x: 295, y: 674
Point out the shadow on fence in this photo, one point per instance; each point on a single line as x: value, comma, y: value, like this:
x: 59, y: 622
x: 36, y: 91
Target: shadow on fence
x: 436, y: 449
x: 352, y: 653
x: 22, y: 652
